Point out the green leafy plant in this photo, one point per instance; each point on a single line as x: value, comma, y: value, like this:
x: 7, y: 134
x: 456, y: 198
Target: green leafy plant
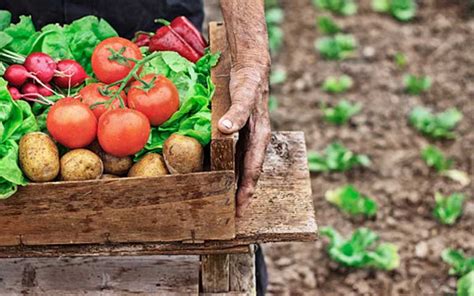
x: 341, y: 113
x: 436, y: 126
x: 337, y: 47
x: 277, y: 76
x: 461, y: 266
x: 415, y: 85
x: 337, y: 85
x: 351, y: 201
x: 402, y: 10
x: 435, y: 158
x: 359, y: 251
x: 337, y: 158
x: 448, y: 208
x: 272, y: 103
x: 274, y: 17
x: 326, y: 25
x: 400, y: 60
x: 343, y: 7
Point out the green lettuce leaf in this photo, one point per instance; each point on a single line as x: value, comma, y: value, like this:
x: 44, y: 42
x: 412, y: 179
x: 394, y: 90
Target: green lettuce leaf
x: 351, y: 201
x: 23, y: 34
x: 53, y: 41
x: 10, y: 175
x: 465, y: 285
x: 5, y: 19
x: 357, y: 252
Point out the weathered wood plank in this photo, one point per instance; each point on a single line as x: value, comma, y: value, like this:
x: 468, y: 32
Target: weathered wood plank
x: 282, y: 210
x: 175, y: 208
x: 147, y: 275
x: 215, y: 273
x: 242, y: 273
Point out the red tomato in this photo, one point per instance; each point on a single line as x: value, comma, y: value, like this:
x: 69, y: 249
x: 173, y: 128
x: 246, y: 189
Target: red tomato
x: 123, y: 132
x: 72, y: 123
x: 158, y: 101
x: 91, y: 94
x: 109, y: 71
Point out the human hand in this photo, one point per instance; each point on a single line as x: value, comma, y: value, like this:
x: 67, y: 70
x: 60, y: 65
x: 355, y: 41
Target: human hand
x: 248, y: 114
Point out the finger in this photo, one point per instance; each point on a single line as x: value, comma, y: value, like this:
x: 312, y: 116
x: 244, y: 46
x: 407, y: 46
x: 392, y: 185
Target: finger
x: 243, y: 92
x: 253, y: 162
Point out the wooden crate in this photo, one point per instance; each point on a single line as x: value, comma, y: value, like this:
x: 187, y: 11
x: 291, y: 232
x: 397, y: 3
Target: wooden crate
x: 192, y: 207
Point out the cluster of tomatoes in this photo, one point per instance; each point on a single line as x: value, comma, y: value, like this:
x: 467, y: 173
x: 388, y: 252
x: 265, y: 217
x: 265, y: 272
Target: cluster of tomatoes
x: 120, y: 121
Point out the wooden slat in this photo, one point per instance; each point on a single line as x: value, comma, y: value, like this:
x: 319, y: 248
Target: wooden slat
x: 282, y: 210
x: 147, y: 275
x: 175, y: 208
x: 242, y: 273
x: 215, y: 273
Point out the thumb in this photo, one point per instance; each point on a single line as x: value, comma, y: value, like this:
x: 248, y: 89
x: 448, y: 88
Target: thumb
x: 243, y: 96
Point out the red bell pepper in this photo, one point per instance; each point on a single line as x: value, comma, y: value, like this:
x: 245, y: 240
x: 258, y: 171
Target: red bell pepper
x: 142, y: 39
x: 189, y: 33
x: 167, y: 39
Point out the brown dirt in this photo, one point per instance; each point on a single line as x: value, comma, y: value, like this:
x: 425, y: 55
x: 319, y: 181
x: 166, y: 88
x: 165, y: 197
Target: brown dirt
x: 438, y: 43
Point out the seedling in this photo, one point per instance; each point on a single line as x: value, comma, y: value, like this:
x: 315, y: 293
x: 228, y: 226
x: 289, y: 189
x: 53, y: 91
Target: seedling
x: 358, y: 251
x: 274, y: 17
x: 327, y: 26
x: 336, y: 158
x: 416, y: 85
x: 337, y: 47
x: 272, y: 103
x: 400, y: 60
x: 337, y: 85
x: 448, y: 208
x: 402, y: 10
x: 351, y: 201
x: 341, y: 113
x: 436, y: 126
x: 343, y: 7
x: 463, y: 267
x: 435, y: 158
x: 277, y: 76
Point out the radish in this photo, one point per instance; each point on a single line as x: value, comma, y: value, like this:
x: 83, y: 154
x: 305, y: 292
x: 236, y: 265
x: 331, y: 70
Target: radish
x: 14, y: 92
x: 29, y: 88
x: 41, y: 65
x: 69, y: 74
x: 45, y: 90
x: 16, y: 75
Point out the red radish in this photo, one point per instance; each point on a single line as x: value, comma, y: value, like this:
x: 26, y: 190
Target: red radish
x: 41, y: 65
x: 45, y: 90
x: 16, y: 75
x: 14, y: 92
x: 69, y: 74
x: 29, y: 88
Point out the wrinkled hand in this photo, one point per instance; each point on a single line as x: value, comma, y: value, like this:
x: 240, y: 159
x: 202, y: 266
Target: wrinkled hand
x: 249, y: 95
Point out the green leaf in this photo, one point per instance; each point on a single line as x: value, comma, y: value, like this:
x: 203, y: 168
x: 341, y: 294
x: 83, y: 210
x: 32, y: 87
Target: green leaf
x: 358, y: 251
x: 277, y: 76
x: 274, y: 15
x: 436, y: 126
x: 336, y: 158
x: 337, y: 47
x: 401, y: 60
x: 402, y: 10
x: 448, y: 208
x: 465, y: 285
x: 24, y: 35
x: 53, y: 41
x: 337, y: 85
x: 341, y: 113
x: 5, y: 39
x: 10, y: 175
x: 436, y: 159
x: 272, y: 103
x: 351, y: 201
x: 416, y: 85
x: 459, y: 262
x: 5, y: 19
x: 327, y: 25
x: 343, y: 7
x: 381, y: 5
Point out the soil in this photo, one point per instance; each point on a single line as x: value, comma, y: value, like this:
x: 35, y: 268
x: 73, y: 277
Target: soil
x: 438, y: 43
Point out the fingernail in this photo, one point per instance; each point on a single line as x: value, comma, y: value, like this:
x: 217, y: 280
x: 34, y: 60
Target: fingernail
x: 227, y: 123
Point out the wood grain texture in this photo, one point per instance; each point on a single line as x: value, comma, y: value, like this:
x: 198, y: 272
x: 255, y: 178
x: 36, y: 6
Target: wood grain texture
x: 146, y: 275
x: 282, y: 210
x: 242, y: 277
x: 174, y: 208
x: 215, y: 273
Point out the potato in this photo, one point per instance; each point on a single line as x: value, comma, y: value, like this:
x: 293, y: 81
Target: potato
x: 81, y: 164
x: 151, y: 165
x: 39, y: 157
x: 183, y: 154
x: 112, y: 165
x: 109, y: 176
